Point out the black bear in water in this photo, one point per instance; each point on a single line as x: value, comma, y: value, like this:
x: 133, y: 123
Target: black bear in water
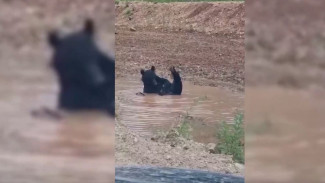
x: 151, y: 82
x: 86, y: 75
x: 155, y: 84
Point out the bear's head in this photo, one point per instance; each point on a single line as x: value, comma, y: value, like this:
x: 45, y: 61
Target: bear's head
x: 149, y: 80
x: 76, y: 57
x: 86, y: 75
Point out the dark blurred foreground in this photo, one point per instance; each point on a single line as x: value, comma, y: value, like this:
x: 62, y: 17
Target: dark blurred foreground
x: 166, y: 175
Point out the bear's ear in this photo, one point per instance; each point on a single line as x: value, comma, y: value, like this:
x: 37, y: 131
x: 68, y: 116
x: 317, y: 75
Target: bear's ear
x: 153, y: 68
x: 53, y: 39
x: 89, y: 27
x: 142, y: 71
x: 172, y: 69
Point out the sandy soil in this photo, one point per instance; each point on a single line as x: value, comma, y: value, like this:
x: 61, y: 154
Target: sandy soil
x: 205, y: 41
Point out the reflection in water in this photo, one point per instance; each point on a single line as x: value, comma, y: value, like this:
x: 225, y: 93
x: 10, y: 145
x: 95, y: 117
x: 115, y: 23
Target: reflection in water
x: 147, y: 114
x: 77, y: 148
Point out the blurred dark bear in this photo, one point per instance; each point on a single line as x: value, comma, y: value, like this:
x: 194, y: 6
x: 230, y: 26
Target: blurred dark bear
x: 155, y: 84
x: 86, y: 75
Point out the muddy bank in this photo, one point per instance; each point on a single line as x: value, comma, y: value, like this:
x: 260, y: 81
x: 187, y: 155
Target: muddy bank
x: 133, y: 149
x: 221, y: 18
x: 207, y: 51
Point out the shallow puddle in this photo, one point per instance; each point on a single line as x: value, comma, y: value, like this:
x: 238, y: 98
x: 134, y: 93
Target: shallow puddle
x: 153, y: 113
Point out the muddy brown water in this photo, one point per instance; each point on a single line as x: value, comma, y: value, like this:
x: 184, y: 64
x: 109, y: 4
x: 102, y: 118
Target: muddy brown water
x: 77, y: 148
x: 285, y: 134
x: 153, y: 113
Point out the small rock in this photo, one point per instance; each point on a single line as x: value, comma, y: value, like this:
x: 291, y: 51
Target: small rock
x: 173, y: 143
x: 135, y: 140
x: 172, y: 134
x: 140, y: 94
x: 155, y: 161
x: 155, y: 139
x: 211, y: 148
x: 240, y: 167
x: 185, y: 147
x: 212, y: 151
x: 168, y: 157
x: 132, y: 29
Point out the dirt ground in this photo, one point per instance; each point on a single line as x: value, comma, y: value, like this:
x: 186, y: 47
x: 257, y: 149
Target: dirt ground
x: 169, y: 151
x: 205, y: 41
x: 285, y: 47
